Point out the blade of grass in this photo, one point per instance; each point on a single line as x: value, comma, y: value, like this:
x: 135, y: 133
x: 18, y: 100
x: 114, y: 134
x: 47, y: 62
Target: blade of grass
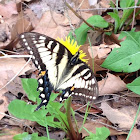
x: 91, y: 53
x: 73, y: 135
x: 73, y: 115
x: 133, y: 123
x: 125, y: 28
x: 60, y: 118
x: 47, y: 132
x: 85, y: 117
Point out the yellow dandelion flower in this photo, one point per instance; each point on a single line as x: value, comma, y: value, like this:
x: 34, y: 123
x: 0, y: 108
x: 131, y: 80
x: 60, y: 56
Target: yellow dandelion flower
x: 73, y: 47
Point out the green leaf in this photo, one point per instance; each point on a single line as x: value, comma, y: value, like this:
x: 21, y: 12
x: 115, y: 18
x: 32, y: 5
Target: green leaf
x: 53, y: 106
x: 30, y: 87
x: 22, y: 136
x: 22, y: 110
x: 112, y: 4
x: 26, y: 136
x: 54, y: 109
x: 117, y: 20
x: 135, y: 86
x: 126, y: 3
x: 53, y: 96
x: 101, y: 134
x: 81, y: 32
x: 126, y: 12
x: 18, y: 107
x: 97, y: 21
x: 127, y: 57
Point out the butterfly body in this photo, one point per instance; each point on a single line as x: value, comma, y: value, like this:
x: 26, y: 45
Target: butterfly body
x: 63, y: 71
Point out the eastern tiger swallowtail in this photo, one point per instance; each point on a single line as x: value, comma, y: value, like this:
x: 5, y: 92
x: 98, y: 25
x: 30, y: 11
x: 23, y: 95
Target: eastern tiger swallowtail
x: 62, y: 70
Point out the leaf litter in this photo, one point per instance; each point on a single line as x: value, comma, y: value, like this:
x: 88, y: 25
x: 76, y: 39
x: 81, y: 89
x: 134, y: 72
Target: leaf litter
x: 58, y: 25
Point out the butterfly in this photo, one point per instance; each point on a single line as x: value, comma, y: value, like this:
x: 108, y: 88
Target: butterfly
x: 60, y: 70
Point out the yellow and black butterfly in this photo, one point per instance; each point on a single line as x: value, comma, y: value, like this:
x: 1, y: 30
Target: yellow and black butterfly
x: 60, y: 69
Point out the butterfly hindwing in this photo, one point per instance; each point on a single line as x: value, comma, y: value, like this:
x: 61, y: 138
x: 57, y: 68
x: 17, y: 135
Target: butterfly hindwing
x: 83, y: 81
x: 65, y: 71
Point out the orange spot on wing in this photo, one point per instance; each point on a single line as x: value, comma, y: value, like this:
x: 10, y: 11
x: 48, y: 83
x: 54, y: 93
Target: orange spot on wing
x: 42, y: 73
x: 72, y: 88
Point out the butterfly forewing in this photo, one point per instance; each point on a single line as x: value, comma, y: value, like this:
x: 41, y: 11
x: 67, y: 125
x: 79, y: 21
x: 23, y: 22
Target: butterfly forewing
x: 48, y: 54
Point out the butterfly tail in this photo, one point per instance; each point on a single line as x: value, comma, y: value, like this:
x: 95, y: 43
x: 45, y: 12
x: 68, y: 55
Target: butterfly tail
x: 41, y: 104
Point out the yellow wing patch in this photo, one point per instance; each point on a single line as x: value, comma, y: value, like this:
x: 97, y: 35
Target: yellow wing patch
x: 73, y: 47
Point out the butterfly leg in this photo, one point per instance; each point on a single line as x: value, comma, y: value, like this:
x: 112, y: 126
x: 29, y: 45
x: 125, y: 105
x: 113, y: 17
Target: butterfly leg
x: 66, y: 93
x: 45, y: 89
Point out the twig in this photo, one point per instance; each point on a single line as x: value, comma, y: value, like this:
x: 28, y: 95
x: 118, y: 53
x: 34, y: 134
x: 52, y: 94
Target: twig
x: 14, y: 56
x: 99, y: 122
x: 18, y: 120
x: 80, y: 4
x: 117, y: 8
x: 116, y: 97
x: 2, y: 50
x: 134, y: 12
x: 70, y: 21
x: 94, y: 28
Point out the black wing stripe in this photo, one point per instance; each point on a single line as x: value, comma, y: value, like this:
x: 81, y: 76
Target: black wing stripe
x: 53, y: 45
x: 61, y: 51
x: 51, y: 55
x: 90, y: 91
x: 85, y: 71
x: 27, y: 43
x: 80, y: 69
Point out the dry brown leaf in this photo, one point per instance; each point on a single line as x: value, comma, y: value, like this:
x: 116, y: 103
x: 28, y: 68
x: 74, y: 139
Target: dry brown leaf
x: 112, y: 84
x: 105, y: 3
x: 92, y: 125
x: 73, y: 19
x: 59, y: 31
x: 135, y: 135
x: 81, y: 108
x: 8, y: 69
x: 56, y: 25
x: 33, y: 18
x: 84, y: 48
x: 130, y: 94
x: 21, y: 25
x: 5, y: 35
x: 27, y: 0
x: 15, y: 86
x: 83, y: 4
x: 14, y: 64
x: 4, y: 102
x: 51, y: 27
x: 10, y: 29
x: 123, y: 117
x: 97, y: 67
x: 8, y: 10
x: 99, y: 4
x: 121, y: 137
x: 102, y: 50
x: 50, y: 20
x: 10, y: 133
x: 21, y: 122
x: 93, y: 2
